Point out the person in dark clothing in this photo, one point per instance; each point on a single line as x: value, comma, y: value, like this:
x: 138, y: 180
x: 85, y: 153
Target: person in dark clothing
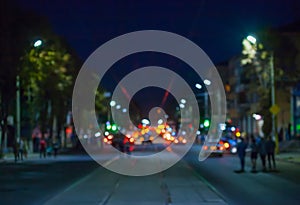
x: 241, y: 150
x: 253, y: 155
x: 43, y: 146
x: 16, y: 150
x: 270, y: 148
x: 21, y: 149
x: 55, y: 148
x: 262, y: 152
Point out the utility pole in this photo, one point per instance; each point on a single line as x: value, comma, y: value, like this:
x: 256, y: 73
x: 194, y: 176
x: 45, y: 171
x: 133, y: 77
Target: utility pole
x: 273, y: 102
x: 18, y: 108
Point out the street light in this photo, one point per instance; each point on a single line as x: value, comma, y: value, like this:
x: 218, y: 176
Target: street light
x: 112, y: 103
x: 207, y: 82
x: 36, y: 44
x: 198, y: 86
x: 253, y: 41
x: 205, y: 94
x: 183, y: 101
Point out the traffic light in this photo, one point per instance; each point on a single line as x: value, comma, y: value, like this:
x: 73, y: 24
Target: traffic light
x: 108, y: 127
x: 114, y: 128
x: 111, y: 127
x: 206, y: 123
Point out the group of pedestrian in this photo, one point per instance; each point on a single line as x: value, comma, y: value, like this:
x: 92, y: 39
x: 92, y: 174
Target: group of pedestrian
x: 48, y: 148
x: 264, y: 148
x: 20, y: 150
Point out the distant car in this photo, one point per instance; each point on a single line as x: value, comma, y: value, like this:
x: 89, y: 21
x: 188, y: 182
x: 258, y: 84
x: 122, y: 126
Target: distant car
x: 147, y: 142
x: 124, y: 143
x: 216, y: 150
x: 180, y: 140
x: 229, y: 144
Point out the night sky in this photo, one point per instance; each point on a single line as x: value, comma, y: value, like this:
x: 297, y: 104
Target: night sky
x: 216, y: 26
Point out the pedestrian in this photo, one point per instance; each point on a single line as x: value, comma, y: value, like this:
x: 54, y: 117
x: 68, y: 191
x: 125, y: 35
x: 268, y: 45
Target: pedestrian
x: 270, y: 148
x: 262, y: 152
x: 36, y: 136
x: 253, y: 155
x: 43, y: 146
x: 25, y: 149
x: 55, y: 148
x: 21, y: 148
x: 241, y: 150
x: 126, y: 143
x: 16, y: 150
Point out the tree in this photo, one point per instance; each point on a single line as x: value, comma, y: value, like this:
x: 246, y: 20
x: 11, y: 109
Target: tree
x: 48, y: 74
x: 41, y: 87
x: 257, y: 63
x: 11, y: 45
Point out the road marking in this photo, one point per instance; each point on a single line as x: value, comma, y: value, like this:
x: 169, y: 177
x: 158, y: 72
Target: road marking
x: 111, y: 161
x: 109, y: 195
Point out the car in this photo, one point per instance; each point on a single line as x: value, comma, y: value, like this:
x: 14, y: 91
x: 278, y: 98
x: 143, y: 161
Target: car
x: 230, y: 144
x: 216, y: 150
x: 124, y: 143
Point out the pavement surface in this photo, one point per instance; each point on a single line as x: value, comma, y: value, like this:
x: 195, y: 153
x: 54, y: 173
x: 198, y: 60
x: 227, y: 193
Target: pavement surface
x: 293, y: 157
x: 180, y: 184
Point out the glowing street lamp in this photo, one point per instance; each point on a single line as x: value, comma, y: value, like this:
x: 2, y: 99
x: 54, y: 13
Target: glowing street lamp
x: 207, y: 82
x: 198, y: 86
x: 36, y: 44
x: 251, y: 51
x: 256, y: 116
x: 112, y: 103
x: 183, y: 101
x: 251, y: 39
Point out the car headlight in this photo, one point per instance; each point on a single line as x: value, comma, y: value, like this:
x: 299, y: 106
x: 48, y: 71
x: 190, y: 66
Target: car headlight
x: 234, y: 150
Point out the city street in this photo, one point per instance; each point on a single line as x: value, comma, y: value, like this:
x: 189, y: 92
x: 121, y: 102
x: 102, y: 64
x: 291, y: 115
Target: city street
x: 158, y: 81
x: 34, y: 181
x: 76, y: 179
x: 279, y: 187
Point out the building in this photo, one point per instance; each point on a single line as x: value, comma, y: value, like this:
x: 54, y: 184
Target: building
x: 243, y: 101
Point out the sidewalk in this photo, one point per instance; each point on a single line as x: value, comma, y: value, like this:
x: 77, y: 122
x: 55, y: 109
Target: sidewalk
x: 292, y: 157
x: 9, y: 157
x: 289, y: 151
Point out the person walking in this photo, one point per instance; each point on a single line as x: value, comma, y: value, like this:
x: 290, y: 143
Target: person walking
x: 55, y: 147
x: 262, y: 152
x: 43, y: 146
x: 21, y: 148
x: 270, y: 148
x: 16, y: 150
x: 253, y: 155
x: 241, y: 150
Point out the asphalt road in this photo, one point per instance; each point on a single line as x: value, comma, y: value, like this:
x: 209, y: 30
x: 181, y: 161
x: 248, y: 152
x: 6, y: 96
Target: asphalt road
x: 189, y: 182
x: 35, y: 181
x: 281, y: 187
